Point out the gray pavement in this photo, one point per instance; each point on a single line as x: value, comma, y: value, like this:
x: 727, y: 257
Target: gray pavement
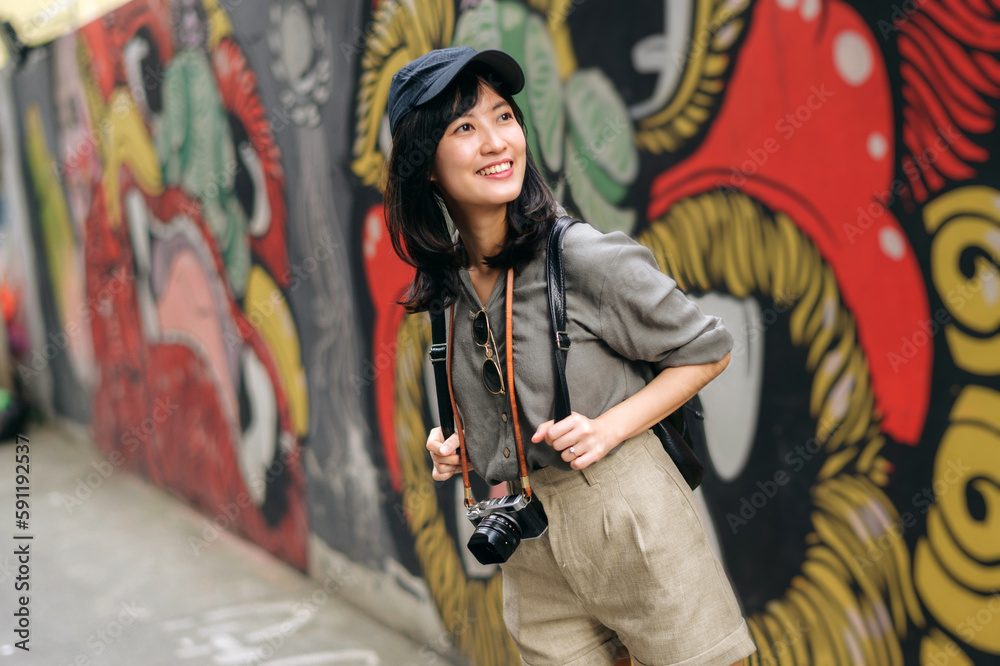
x: 114, y: 580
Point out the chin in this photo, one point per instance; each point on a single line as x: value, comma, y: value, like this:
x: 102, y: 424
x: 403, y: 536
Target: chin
x: 509, y: 194
x: 499, y: 197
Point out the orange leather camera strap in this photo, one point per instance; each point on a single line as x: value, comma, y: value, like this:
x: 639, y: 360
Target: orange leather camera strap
x: 509, y: 314
x: 510, y: 383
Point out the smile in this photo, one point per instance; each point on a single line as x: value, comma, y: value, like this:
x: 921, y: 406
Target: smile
x: 498, y: 168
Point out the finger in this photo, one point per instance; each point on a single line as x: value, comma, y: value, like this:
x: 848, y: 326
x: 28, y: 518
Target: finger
x: 436, y: 445
x: 586, y: 459
x: 573, y: 451
x: 445, y: 472
x: 449, y: 445
x: 560, y: 428
x: 571, y: 438
x: 439, y: 476
x: 541, y: 431
x: 433, y: 444
x: 452, y: 460
x: 553, y: 432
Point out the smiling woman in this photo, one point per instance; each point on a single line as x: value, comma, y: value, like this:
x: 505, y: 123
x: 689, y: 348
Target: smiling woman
x: 474, y: 127
x: 480, y: 157
x: 597, y: 516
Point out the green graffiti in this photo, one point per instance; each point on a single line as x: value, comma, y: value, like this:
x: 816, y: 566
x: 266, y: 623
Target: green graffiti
x: 601, y: 130
x: 480, y: 28
x: 196, y: 152
x: 544, y: 92
x: 594, y: 207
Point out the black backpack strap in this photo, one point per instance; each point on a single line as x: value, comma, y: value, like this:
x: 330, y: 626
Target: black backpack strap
x: 556, y: 281
x: 439, y: 359
x: 688, y: 417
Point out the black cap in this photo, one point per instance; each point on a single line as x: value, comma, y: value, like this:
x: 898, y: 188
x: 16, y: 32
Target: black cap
x: 422, y: 79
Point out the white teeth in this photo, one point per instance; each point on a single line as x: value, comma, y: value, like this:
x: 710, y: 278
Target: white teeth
x: 495, y: 169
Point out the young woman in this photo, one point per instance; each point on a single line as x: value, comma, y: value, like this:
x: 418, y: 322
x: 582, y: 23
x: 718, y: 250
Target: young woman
x: 625, y: 568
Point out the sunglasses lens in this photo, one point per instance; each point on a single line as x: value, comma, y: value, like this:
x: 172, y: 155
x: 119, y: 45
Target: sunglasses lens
x: 480, y: 328
x: 491, y: 376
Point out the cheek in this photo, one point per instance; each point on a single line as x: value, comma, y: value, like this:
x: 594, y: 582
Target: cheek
x: 445, y: 165
x: 519, y: 142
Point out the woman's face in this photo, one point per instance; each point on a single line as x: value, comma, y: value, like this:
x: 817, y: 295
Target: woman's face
x: 480, y: 160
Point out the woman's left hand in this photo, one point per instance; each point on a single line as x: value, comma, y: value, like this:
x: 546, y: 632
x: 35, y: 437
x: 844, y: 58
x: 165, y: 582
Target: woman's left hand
x: 581, y: 440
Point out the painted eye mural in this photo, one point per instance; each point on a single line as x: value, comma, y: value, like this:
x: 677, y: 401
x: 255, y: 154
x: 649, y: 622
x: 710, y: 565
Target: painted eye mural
x: 176, y: 186
x: 223, y: 294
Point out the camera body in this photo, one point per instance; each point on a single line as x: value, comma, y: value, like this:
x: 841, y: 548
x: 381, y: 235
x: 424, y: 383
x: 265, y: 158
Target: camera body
x: 501, y: 523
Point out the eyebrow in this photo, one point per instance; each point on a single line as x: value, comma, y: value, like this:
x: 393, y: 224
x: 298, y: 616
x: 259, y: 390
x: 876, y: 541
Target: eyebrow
x: 496, y: 106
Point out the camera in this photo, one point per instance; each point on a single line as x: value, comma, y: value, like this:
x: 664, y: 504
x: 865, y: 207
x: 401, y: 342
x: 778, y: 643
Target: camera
x: 501, y: 523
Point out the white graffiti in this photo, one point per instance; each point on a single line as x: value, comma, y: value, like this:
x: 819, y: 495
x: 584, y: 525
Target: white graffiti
x: 250, y: 634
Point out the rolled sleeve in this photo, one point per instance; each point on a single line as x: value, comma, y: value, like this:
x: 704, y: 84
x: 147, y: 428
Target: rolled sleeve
x: 645, y: 316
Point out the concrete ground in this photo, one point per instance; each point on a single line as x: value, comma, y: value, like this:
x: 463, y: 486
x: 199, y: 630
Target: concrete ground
x: 114, y: 580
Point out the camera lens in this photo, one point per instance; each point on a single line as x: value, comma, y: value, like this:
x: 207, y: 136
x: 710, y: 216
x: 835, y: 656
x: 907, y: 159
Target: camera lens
x: 495, y: 539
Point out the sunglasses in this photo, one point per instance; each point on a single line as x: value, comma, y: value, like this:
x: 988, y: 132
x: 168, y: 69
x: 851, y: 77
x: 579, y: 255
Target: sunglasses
x: 483, y: 336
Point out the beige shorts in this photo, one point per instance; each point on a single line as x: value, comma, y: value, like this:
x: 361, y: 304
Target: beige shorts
x: 625, y: 569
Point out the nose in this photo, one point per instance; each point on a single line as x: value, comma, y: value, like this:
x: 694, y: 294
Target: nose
x: 493, y: 140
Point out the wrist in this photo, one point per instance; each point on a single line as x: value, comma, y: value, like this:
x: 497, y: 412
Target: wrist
x: 614, y: 432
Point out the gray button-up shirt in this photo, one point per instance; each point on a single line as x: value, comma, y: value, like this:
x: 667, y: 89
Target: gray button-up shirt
x: 621, y: 310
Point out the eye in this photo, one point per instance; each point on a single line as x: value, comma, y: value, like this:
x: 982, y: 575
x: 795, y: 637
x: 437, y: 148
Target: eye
x: 507, y: 115
x: 463, y: 127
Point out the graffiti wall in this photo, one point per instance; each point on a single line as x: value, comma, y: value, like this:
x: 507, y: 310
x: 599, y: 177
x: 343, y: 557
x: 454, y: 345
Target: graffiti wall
x: 221, y: 295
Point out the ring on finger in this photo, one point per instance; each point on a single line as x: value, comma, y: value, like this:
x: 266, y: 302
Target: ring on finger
x: 572, y: 450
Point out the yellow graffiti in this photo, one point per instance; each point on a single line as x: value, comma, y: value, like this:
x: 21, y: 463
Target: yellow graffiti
x: 853, y: 599
x: 57, y: 231
x: 268, y: 312
x: 471, y: 610
x: 129, y: 144
x: 219, y: 25
x: 936, y: 649
x: 963, y: 221
x: 707, y: 58
x: 731, y: 244
x: 955, y: 566
x: 121, y: 138
x: 123, y: 141
x: 401, y: 32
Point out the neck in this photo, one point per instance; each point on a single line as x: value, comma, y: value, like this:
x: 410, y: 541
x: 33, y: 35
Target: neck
x: 483, y: 234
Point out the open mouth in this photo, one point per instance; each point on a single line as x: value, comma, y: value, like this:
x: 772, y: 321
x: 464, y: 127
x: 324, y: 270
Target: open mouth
x: 497, y: 168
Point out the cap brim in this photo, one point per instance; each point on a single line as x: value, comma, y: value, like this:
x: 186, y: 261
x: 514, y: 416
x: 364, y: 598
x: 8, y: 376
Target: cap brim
x: 509, y: 72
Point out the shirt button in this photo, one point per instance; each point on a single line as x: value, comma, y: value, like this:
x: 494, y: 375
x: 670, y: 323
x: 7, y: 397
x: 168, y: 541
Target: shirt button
x: 503, y: 417
x: 506, y: 452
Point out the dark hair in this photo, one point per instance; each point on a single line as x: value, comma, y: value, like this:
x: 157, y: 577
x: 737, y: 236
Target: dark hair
x: 416, y: 223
